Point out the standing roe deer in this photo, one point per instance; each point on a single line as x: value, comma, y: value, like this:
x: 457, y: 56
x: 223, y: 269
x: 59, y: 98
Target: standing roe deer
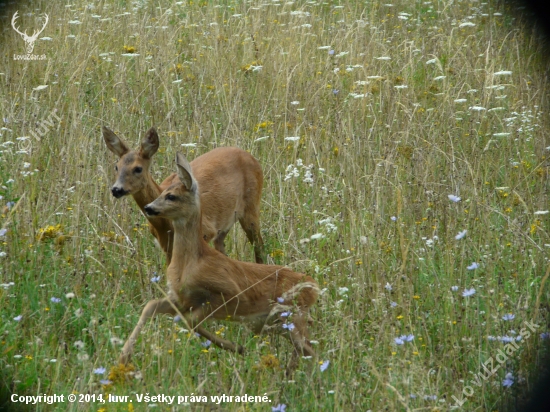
x: 231, y: 181
x: 205, y: 283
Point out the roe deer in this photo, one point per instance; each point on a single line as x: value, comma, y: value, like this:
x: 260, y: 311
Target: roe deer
x: 204, y: 283
x: 231, y: 181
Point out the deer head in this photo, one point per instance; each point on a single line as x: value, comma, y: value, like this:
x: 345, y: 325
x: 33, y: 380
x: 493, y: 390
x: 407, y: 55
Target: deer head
x: 133, y: 166
x: 29, y: 40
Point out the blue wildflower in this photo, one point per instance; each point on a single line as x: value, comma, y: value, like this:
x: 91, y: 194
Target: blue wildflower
x: 508, y: 380
x: 468, y: 292
x: 289, y: 326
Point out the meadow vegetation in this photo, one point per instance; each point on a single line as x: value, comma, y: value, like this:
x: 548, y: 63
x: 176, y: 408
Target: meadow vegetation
x: 405, y: 156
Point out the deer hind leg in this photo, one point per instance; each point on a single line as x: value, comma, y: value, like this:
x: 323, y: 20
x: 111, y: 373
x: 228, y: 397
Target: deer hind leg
x: 153, y: 308
x: 250, y: 223
x: 198, y: 315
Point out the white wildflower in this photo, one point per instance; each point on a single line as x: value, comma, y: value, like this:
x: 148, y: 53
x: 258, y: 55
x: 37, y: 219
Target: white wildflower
x: 116, y: 341
x: 79, y: 345
x: 461, y: 235
x: 503, y: 73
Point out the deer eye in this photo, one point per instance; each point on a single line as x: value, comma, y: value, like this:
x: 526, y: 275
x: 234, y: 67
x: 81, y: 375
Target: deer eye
x: 170, y: 196
x: 138, y: 169
x: 116, y: 168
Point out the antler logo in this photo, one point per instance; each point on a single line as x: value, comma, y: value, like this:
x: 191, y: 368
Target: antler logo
x: 29, y: 40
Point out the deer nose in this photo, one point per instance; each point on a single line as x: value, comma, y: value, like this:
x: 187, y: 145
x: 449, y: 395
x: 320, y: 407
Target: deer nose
x: 118, y: 192
x: 150, y: 211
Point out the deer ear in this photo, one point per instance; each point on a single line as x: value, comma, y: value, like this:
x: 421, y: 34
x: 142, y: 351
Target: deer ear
x: 114, y: 143
x: 185, y: 174
x: 150, y: 143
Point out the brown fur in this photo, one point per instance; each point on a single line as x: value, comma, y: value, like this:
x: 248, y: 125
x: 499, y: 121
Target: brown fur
x: 205, y: 283
x: 231, y: 183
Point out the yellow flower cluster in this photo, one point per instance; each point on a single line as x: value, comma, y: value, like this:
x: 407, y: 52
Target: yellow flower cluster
x: 49, y: 232
x: 120, y: 373
x: 247, y: 68
x: 269, y: 362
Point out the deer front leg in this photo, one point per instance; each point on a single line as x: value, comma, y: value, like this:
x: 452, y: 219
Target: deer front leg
x: 153, y: 308
x: 298, y: 337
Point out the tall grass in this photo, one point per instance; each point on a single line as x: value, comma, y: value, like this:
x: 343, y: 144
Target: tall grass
x: 365, y: 117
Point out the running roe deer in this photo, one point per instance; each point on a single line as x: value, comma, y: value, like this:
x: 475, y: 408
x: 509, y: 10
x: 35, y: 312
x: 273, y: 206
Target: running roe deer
x: 204, y: 283
x: 231, y: 181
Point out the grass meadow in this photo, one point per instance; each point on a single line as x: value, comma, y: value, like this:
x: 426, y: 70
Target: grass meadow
x: 405, y: 155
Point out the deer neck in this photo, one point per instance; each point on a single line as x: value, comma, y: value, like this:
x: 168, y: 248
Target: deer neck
x: 148, y: 194
x: 163, y: 229
x: 189, y: 243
